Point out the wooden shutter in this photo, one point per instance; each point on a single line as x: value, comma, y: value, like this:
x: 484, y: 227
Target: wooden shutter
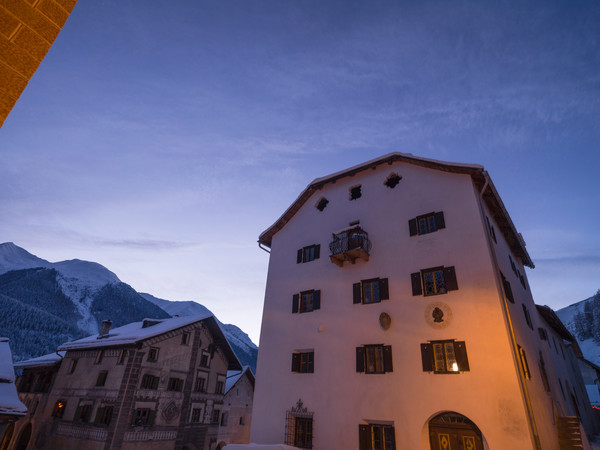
x: 364, y: 437
x: 155, y: 381
x: 384, y: 292
x: 450, y: 279
x: 507, y: 289
x: 360, y: 359
x: 299, y: 257
x: 295, y: 362
x: 415, y: 279
x: 357, y: 293
x: 439, y: 220
x: 317, y: 300
x: 387, y: 359
x: 427, y: 357
x: 412, y: 226
x: 317, y: 251
x: 460, y: 352
x: 390, y: 435
x: 295, y: 301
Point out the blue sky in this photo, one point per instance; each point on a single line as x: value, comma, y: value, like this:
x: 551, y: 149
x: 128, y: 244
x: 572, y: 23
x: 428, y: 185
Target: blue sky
x: 159, y: 138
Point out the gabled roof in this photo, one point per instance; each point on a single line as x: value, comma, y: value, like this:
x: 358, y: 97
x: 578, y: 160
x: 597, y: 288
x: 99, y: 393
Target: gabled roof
x: 137, y: 332
x: 554, y: 321
x: 480, y: 178
x: 233, y: 377
x: 41, y: 361
x: 10, y: 405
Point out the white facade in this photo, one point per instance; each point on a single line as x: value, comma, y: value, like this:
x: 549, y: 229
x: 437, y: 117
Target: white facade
x: 510, y: 409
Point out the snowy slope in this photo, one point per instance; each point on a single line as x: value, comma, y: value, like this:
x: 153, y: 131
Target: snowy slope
x: 589, y: 347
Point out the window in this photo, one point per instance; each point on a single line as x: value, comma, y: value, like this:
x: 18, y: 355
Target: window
x: 306, y: 301
x: 149, y: 382
x: 435, y: 281
x: 376, y: 437
x: 101, y: 380
x: 83, y: 412
x: 103, y: 415
x: 355, y: 192
x: 73, y: 365
x: 220, y: 388
x: 392, y: 180
x: 242, y: 420
x: 214, y: 417
x: 303, y: 432
x: 204, y: 359
x: 427, y: 223
x: 59, y: 409
x: 99, y: 357
x: 185, y: 338
x: 122, y: 357
x: 370, y: 291
x: 491, y: 229
x: 224, y: 419
x: 322, y: 204
x: 153, y: 354
x: 200, y: 385
x: 307, y: 254
x: 444, y: 357
x: 543, y: 334
x: 507, y: 289
x: 374, y: 359
x: 303, y: 362
x: 175, y: 384
x: 524, y: 365
x: 143, y: 417
x: 527, y: 316
x: 196, y: 416
x: 543, y: 373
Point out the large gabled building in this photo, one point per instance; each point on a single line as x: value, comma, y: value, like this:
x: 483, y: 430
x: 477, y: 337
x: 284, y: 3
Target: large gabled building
x: 398, y: 315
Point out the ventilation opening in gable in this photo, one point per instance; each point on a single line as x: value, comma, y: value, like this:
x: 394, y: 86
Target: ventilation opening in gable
x: 355, y: 192
x: 322, y: 204
x: 392, y: 180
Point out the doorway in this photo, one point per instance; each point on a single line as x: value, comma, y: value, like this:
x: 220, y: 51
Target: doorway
x: 453, y: 431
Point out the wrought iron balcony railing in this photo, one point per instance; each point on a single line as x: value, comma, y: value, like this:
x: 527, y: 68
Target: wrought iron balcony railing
x: 348, y: 245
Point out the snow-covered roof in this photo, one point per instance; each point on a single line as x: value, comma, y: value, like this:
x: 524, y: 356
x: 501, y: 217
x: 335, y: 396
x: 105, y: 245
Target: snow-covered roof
x: 233, y: 377
x: 9, y: 399
x: 259, y: 447
x: 480, y: 177
x: 136, y: 332
x: 45, y: 360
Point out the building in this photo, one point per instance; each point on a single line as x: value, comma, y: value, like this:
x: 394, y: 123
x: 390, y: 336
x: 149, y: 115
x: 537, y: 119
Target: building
x: 155, y: 384
x: 398, y: 314
x: 236, y: 415
x: 11, y: 408
x: 28, y: 29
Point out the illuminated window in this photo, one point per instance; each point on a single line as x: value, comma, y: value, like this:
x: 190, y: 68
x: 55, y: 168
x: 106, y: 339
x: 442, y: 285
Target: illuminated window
x: 59, y: 409
x: 306, y: 301
x: 303, y: 362
x: 434, y: 281
x: 307, y: 254
x: 376, y: 437
x: 370, y: 291
x: 374, y: 359
x: 524, y: 365
x: 444, y: 357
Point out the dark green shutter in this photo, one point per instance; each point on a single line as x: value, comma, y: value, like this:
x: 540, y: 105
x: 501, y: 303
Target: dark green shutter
x: 427, y: 357
x: 412, y: 227
x: 317, y: 251
x: 364, y: 437
x: 299, y: 257
x: 384, y: 293
x: 415, y: 279
x: 295, y: 362
x: 360, y: 359
x: 316, y: 300
x: 439, y: 220
x: 450, y: 279
x: 295, y: 300
x: 387, y: 359
x: 460, y: 352
x: 155, y: 381
x: 356, y: 293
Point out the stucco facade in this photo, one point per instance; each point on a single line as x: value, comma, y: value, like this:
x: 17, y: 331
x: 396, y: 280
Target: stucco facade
x: 236, y: 415
x: 471, y: 241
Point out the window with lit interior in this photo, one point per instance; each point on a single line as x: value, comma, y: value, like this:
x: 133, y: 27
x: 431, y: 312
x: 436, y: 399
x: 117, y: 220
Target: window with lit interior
x: 444, y: 357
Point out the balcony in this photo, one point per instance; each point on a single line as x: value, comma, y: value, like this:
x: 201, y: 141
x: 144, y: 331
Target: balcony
x: 349, y: 245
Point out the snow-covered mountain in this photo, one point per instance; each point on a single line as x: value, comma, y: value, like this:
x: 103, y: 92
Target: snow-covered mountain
x: 582, y: 319
x: 45, y: 304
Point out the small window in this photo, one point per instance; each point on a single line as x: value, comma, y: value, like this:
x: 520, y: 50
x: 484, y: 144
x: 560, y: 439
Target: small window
x: 220, y: 388
x: 512, y: 264
x: 370, y: 291
x: 527, y: 316
x: 242, y: 420
x: 185, y: 338
x: 149, y: 382
x: 200, y: 385
x: 73, y: 365
x: 392, y: 180
x: 507, y: 289
x: 122, y: 357
x: 544, y: 374
x: 355, y: 192
x: 524, y: 365
x: 543, y: 334
x: 303, y: 362
x: 306, y: 301
x: 99, y: 357
x: 307, y: 254
x: 491, y: 230
x: 561, y: 388
x: 103, y: 415
x: 175, y: 384
x: 322, y: 204
x: 153, y: 354
x: 101, y: 380
x: 376, y: 436
x: 196, y: 415
x: 435, y: 281
x: 59, y: 409
x: 143, y: 417
x: 204, y: 359
x: 444, y: 357
x: 224, y: 419
x: 427, y: 223
x: 303, y: 430
x: 214, y: 417
x: 374, y: 359
x: 83, y: 413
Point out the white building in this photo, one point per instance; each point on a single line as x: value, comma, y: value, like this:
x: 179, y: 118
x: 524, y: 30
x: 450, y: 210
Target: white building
x: 398, y: 315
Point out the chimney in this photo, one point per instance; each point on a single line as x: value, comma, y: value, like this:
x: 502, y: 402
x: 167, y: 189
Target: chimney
x: 105, y: 328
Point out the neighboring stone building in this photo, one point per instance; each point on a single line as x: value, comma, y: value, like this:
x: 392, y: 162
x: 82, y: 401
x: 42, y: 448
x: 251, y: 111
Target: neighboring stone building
x: 155, y: 384
x: 236, y: 415
x: 417, y: 329
x: 28, y: 29
x: 11, y: 408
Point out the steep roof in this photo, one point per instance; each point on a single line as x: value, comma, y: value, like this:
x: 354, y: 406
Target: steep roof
x: 137, y: 332
x: 10, y: 405
x: 480, y: 178
x: 554, y: 321
x: 233, y: 377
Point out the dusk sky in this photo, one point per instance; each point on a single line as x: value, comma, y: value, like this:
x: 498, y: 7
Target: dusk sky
x: 161, y: 137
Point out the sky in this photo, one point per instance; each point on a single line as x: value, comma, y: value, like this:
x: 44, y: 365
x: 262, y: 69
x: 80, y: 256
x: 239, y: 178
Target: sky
x: 159, y: 138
